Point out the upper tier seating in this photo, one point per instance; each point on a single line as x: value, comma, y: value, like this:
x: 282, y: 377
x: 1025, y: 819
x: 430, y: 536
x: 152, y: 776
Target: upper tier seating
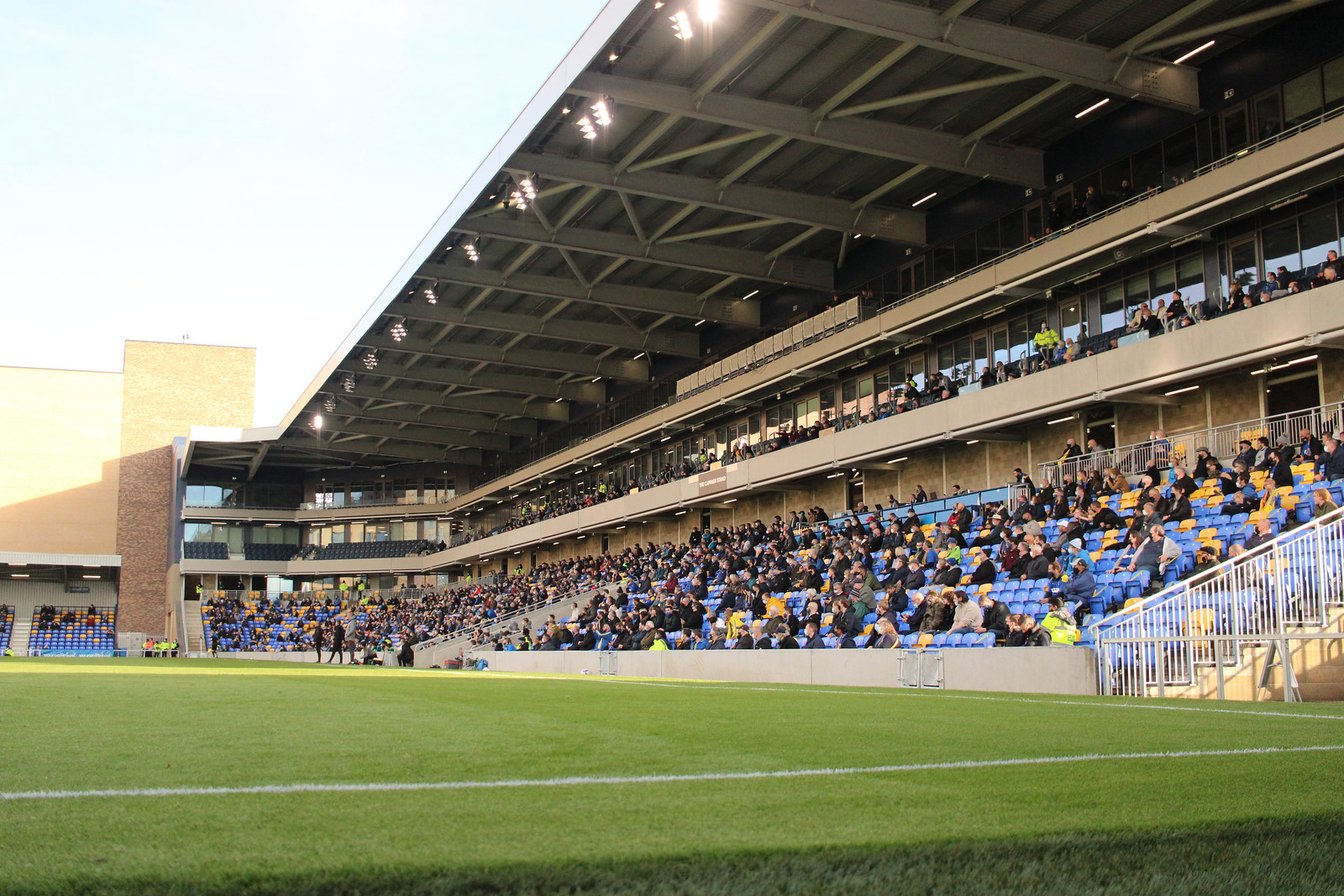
x: 205, y: 550
x: 369, y: 550
x: 270, y: 552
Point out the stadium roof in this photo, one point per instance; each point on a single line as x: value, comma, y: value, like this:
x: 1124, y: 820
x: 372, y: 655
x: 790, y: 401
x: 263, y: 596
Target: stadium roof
x: 674, y: 183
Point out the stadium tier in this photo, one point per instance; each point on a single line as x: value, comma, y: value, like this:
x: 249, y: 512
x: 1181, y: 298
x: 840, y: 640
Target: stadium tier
x: 683, y: 345
x: 83, y: 630
x: 781, y: 586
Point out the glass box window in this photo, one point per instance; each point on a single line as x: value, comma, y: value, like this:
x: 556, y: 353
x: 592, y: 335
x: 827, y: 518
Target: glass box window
x: 1112, y: 307
x: 1319, y: 234
x: 1281, y: 246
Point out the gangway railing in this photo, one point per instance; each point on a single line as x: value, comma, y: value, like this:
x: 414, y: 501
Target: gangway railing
x: 1180, y: 448
x: 1265, y: 595
x: 507, y: 619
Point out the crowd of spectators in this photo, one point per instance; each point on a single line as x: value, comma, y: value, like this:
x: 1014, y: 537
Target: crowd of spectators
x: 862, y: 579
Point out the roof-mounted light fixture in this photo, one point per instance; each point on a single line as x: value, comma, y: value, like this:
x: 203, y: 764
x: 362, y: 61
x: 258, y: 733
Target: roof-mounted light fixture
x: 397, y: 331
x: 1094, y: 107
x: 681, y: 25
x: 597, y: 119
x: 1190, y: 55
x: 524, y: 194
x: 348, y: 382
x: 370, y: 359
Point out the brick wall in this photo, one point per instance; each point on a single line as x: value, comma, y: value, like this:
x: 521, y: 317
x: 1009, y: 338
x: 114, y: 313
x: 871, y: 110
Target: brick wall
x: 166, y: 389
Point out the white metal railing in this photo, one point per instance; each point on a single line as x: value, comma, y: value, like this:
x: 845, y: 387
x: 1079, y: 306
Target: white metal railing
x: 1262, y: 595
x: 1181, y: 447
x: 783, y: 342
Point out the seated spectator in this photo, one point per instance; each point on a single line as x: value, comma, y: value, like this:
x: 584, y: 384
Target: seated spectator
x: 1309, y: 449
x: 1124, y: 562
x: 1322, y: 503
x: 1281, y: 467
x: 1079, y: 590
x: 1330, y: 464
x: 967, y: 617
x: 1264, y: 533
x: 1179, y: 508
x: 884, y: 635
x: 1023, y: 632
x: 994, y: 617
x: 1154, y: 556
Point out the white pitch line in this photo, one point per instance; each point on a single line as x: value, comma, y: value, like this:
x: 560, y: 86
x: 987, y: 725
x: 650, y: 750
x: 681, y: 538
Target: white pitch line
x: 394, y: 787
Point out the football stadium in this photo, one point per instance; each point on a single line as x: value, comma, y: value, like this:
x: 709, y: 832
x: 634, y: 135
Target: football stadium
x: 841, y: 411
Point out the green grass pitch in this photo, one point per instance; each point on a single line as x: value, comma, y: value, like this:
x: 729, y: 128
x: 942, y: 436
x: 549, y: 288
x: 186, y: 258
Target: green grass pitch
x: 1270, y: 821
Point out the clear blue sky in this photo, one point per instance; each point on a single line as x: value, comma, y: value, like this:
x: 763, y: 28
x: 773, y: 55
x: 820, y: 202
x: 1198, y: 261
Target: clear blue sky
x: 243, y: 172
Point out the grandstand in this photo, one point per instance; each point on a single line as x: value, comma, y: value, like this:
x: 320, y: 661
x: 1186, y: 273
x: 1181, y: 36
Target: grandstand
x: 1069, y: 238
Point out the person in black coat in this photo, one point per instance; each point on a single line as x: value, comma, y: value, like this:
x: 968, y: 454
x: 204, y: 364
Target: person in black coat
x: 984, y: 573
x: 1180, y: 508
x: 814, y: 640
x: 1281, y: 470
x: 337, y: 643
x: 995, y: 617
x: 318, y: 632
x: 1331, y: 462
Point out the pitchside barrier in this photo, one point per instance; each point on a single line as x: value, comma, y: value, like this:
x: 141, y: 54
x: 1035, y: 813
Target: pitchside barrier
x: 1023, y: 670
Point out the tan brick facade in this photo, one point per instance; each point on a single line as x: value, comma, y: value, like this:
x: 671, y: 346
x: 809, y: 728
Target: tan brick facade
x: 166, y: 389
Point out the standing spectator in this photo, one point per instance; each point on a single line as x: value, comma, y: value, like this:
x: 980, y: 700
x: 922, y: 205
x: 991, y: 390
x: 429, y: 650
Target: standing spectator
x: 337, y: 642
x: 1045, y: 340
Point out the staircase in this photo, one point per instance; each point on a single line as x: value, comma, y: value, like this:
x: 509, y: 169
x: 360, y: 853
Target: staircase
x: 1317, y: 663
x: 436, y: 651
x: 191, y: 618
x: 23, y: 628
x: 1215, y: 634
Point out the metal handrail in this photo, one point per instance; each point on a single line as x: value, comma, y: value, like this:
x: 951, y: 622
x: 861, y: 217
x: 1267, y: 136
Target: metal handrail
x: 1179, y: 448
x: 1252, y: 597
x: 513, y: 616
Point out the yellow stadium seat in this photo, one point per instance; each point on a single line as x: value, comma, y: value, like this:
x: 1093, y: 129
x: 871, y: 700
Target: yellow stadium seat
x: 1186, y: 525
x: 1214, y: 501
x: 925, y: 639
